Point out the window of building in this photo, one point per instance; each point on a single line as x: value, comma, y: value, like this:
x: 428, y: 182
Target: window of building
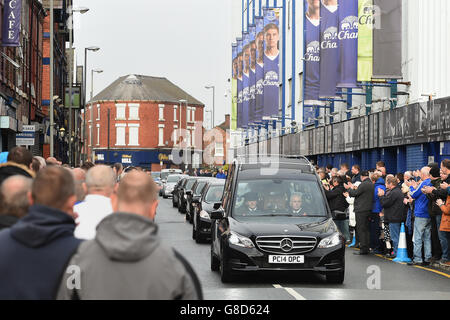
x: 90, y: 136
x: 161, y: 112
x: 98, y: 134
x: 134, y: 111
x: 175, y: 135
x: 120, y: 111
x: 120, y: 134
x: 133, y: 134
x: 175, y: 112
x: 98, y: 112
x: 193, y: 114
x: 218, y: 149
x: 161, y: 136
x: 188, y: 114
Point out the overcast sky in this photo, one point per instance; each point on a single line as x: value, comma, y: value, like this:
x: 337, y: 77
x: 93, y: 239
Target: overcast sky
x: 188, y: 42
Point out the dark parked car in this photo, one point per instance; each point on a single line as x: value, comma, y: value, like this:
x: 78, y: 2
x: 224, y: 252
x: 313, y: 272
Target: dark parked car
x: 171, y: 181
x: 203, y: 206
x: 274, y: 216
x: 195, y: 191
x: 177, y: 190
x: 182, y: 196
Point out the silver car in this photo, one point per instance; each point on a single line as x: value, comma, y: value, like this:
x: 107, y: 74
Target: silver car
x: 170, y: 184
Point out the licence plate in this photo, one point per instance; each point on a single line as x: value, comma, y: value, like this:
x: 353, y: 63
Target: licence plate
x: 286, y: 259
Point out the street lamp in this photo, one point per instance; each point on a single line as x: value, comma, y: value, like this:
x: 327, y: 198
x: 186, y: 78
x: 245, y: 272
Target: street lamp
x: 94, y: 49
x: 82, y: 10
x: 214, y: 98
x: 92, y: 109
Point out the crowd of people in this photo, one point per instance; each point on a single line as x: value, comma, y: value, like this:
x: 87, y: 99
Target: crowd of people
x: 369, y: 207
x: 82, y: 233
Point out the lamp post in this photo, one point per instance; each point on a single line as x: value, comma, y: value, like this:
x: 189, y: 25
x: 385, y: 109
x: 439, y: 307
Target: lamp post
x: 214, y: 98
x: 92, y: 110
x: 94, y: 49
x: 71, y: 11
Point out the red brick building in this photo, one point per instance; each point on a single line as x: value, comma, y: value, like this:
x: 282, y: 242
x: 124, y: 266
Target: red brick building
x: 217, y: 144
x: 147, y: 117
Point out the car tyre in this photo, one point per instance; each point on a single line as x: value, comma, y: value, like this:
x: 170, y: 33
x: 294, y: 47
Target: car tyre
x: 215, y: 263
x: 174, y: 203
x: 225, y: 274
x: 194, y: 234
x: 335, y: 277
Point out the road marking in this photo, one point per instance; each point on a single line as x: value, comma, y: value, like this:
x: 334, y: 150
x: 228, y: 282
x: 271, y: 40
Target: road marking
x: 291, y: 291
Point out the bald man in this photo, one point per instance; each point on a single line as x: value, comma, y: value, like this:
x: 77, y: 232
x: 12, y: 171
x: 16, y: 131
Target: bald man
x: 14, y: 200
x: 99, y: 184
x: 422, y: 221
x: 127, y: 260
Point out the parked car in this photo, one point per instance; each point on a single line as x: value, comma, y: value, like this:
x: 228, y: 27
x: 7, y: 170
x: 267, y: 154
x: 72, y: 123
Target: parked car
x: 171, y: 181
x: 203, y: 206
x: 195, y: 191
x: 274, y: 216
x: 176, y: 191
x: 163, y: 176
x: 182, y: 196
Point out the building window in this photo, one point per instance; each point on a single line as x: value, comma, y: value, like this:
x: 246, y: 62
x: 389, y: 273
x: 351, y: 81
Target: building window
x: 188, y: 114
x: 120, y: 134
x: 161, y: 112
x: 134, y: 111
x: 161, y: 136
x: 98, y: 112
x: 120, y: 111
x: 134, y: 135
x: 218, y: 149
x: 175, y: 135
x: 175, y: 111
x: 90, y: 137
x: 98, y: 134
x: 193, y: 114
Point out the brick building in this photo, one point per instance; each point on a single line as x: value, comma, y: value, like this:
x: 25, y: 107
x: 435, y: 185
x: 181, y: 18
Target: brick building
x: 146, y: 120
x: 21, y: 78
x: 217, y: 144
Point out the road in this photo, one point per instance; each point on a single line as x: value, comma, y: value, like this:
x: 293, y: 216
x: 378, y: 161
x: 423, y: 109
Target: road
x: 366, y: 277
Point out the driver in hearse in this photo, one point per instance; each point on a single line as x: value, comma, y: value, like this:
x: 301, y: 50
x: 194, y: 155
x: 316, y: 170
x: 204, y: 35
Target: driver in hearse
x: 296, y: 205
x: 250, y: 203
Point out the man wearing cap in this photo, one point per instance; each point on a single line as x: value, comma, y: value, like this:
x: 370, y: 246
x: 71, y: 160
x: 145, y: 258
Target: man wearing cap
x: 251, y: 203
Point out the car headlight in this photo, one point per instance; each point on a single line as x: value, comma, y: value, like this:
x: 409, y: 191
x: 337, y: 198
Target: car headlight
x: 204, y: 215
x: 330, y: 241
x: 240, y: 241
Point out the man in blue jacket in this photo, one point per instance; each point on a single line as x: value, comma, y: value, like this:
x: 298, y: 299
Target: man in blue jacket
x: 422, y: 221
x: 35, y: 251
x: 375, y: 229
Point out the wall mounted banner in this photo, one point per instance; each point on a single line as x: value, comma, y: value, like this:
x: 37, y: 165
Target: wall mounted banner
x: 11, y: 23
x: 365, y: 40
x: 245, y: 79
x: 387, y: 40
x: 311, y: 70
x: 271, y: 61
x: 234, y: 87
x: 252, y: 83
x: 348, y: 43
x: 239, y: 82
x: 329, y: 49
x: 259, y: 102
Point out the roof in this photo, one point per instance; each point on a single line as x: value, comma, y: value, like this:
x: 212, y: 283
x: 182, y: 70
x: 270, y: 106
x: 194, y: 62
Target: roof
x: 144, y: 88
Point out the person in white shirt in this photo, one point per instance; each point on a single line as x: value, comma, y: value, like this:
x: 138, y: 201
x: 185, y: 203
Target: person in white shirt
x: 100, y: 184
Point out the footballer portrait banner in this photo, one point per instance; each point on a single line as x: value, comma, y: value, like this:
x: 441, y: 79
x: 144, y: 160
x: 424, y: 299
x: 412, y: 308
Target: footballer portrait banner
x: 252, y: 83
x: 271, y: 61
x: 234, y: 86
x: 366, y: 24
x: 311, y: 60
x: 329, y: 49
x: 245, y: 79
x: 239, y: 82
x: 348, y: 43
x: 259, y: 93
x: 11, y: 23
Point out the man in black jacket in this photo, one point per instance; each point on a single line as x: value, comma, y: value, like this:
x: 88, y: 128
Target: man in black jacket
x: 338, y: 205
x: 363, y: 209
x: 35, y: 251
x: 394, y: 208
x: 19, y: 161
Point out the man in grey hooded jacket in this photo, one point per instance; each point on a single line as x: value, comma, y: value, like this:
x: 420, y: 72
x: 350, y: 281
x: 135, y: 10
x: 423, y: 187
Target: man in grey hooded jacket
x: 127, y: 260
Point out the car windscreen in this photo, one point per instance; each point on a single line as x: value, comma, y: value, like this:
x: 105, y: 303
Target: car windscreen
x: 164, y: 175
x: 173, y: 178
x: 214, y: 194
x: 199, y: 187
x: 189, y: 184
x: 279, y: 197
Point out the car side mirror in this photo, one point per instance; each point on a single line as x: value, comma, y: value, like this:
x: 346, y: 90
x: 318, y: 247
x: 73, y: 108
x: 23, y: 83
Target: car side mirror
x: 196, y: 199
x: 188, y: 192
x: 217, y: 205
x: 217, y: 214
